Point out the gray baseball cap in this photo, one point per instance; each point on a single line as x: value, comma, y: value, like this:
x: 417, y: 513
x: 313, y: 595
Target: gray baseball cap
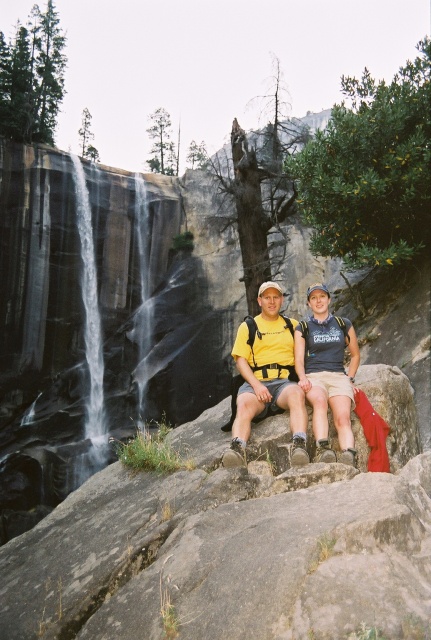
x: 316, y: 286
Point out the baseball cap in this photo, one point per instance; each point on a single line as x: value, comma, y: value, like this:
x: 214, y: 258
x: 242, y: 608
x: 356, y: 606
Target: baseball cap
x: 268, y: 285
x: 320, y: 286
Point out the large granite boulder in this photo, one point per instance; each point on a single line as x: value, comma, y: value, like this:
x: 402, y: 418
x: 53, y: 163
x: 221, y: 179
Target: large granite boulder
x: 317, y: 552
x: 388, y: 389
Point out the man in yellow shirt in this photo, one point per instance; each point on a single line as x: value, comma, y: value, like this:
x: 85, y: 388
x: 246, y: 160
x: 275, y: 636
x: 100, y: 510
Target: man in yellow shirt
x: 265, y: 369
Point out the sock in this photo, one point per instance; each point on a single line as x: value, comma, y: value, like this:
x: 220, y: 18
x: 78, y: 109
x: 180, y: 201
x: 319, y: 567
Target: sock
x: 300, y: 434
x: 325, y: 440
x: 243, y: 443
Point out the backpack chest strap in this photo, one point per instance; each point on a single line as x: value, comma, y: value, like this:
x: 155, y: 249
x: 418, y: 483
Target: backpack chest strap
x: 274, y: 365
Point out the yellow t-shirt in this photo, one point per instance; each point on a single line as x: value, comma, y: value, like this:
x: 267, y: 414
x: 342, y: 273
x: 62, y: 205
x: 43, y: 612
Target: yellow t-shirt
x: 276, y: 346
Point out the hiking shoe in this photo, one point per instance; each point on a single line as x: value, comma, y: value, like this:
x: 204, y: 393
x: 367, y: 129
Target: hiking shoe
x: 324, y: 452
x: 348, y: 456
x: 299, y: 456
x: 234, y: 456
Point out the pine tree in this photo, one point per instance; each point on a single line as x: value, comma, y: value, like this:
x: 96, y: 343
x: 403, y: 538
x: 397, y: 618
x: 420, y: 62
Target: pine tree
x: 92, y: 153
x: 32, y: 78
x: 164, y: 159
x: 171, y: 164
x: 50, y: 69
x: 21, y: 118
x: 197, y: 155
x: 84, y: 132
x: 86, y: 135
x: 5, y: 83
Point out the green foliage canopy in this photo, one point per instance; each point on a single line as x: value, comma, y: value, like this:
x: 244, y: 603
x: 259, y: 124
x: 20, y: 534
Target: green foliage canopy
x: 183, y: 241
x: 32, y: 78
x: 364, y: 182
x: 197, y: 155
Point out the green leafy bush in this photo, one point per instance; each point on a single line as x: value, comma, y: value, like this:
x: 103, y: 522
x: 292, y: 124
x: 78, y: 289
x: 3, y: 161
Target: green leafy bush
x: 364, y: 182
x: 184, y: 241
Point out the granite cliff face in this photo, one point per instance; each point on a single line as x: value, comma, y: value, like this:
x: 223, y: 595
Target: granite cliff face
x: 150, y: 300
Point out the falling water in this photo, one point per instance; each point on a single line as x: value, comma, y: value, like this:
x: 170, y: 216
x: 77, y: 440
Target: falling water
x: 143, y: 321
x: 30, y: 413
x: 94, y: 428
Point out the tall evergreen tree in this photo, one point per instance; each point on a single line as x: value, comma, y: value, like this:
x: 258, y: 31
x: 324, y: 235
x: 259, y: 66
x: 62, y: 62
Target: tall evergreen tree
x: 92, y: 153
x: 86, y: 135
x: 21, y: 118
x: 32, y: 78
x: 197, y: 155
x: 5, y: 82
x: 50, y: 70
x: 163, y: 149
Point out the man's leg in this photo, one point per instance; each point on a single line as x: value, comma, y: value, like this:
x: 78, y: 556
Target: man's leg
x: 248, y: 407
x: 292, y: 398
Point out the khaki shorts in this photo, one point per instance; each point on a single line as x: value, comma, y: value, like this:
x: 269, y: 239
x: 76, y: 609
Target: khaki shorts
x: 335, y: 384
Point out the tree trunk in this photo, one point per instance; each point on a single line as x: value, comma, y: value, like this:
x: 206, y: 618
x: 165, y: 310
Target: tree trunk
x: 252, y: 223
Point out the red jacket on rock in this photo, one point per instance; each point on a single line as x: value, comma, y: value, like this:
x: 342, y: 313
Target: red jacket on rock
x: 375, y: 430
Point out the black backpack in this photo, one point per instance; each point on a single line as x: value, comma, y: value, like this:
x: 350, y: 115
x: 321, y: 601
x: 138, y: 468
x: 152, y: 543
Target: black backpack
x: 238, y: 380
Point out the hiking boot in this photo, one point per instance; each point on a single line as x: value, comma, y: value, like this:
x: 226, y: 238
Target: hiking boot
x: 324, y: 452
x: 299, y: 456
x: 348, y: 456
x: 234, y: 456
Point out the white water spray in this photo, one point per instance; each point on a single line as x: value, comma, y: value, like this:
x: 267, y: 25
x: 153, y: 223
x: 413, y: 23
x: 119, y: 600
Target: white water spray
x: 143, y: 322
x: 30, y: 413
x: 94, y: 428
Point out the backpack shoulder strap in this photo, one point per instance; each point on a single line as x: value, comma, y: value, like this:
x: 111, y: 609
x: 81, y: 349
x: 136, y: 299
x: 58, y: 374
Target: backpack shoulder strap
x: 304, y: 328
x: 342, y: 325
x: 252, y: 330
x: 289, y: 324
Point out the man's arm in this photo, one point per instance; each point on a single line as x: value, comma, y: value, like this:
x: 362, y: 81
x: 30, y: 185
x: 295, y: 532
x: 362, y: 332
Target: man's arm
x: 246, y: 371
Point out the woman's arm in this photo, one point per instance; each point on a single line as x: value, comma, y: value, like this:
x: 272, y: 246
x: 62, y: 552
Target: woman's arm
x: 355, y: 356
x: 299, y: 353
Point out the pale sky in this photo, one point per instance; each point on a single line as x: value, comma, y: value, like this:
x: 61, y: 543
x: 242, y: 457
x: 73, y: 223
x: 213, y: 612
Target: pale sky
x: 204, y: 60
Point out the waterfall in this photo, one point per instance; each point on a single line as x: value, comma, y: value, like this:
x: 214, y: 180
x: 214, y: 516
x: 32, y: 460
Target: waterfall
x: 30, y: 413
x: 94, y: 428
x: 143, y: 320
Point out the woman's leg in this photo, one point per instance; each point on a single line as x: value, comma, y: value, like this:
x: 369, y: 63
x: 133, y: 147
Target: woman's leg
x: 318, y: 399
x: 341, y: 407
